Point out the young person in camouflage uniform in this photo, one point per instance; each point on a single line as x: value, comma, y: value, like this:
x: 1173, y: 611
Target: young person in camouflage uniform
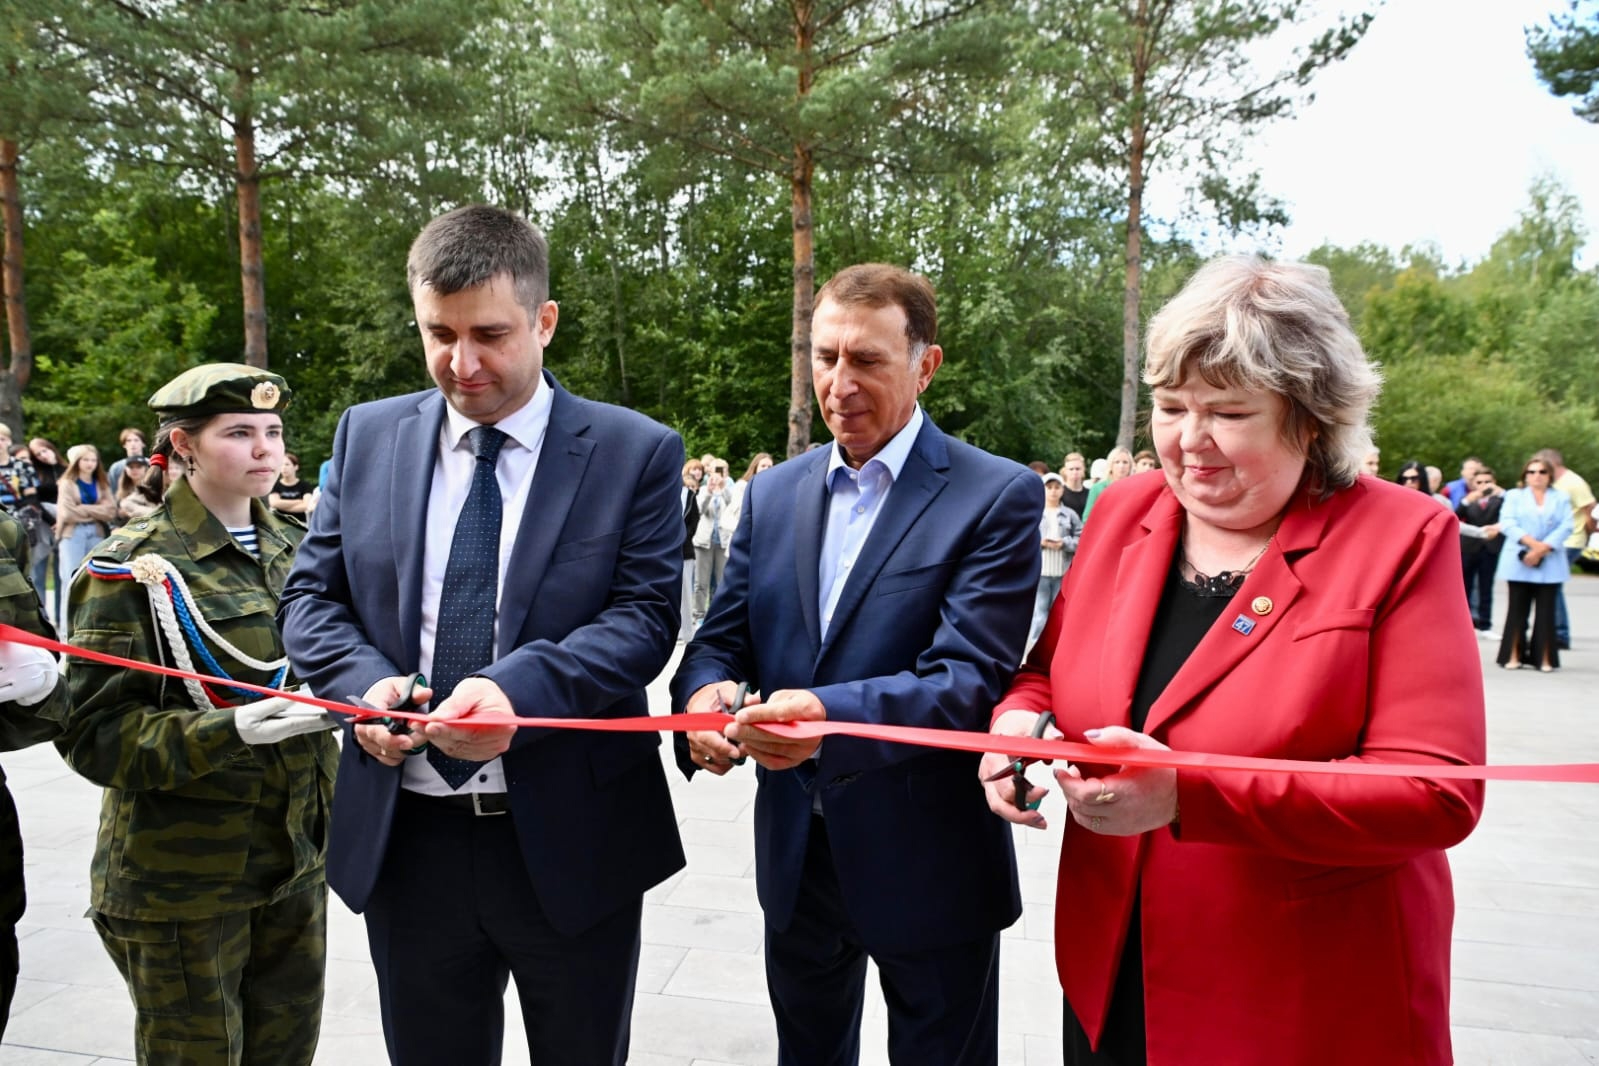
x: 207, y: 882
x: 31, y: 707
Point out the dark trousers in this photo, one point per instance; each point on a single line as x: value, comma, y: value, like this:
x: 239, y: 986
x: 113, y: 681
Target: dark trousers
x: 12, y: 901
x: 1524, y: 596
x: 1563, y: 619
x: 1479, y: 571
x: 454, y: 916
x: 943, y: 1003
x: 1122, y: 1043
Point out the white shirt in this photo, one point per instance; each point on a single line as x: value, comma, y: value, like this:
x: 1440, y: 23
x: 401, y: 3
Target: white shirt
x: 452, y: 481
x: 855, y: 499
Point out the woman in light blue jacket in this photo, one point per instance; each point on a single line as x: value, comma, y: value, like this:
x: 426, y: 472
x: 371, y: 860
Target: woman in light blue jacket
x: 1534, y: 522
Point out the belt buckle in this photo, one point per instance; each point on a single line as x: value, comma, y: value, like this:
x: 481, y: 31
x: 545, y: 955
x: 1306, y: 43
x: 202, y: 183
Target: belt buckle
x: 477, y: 807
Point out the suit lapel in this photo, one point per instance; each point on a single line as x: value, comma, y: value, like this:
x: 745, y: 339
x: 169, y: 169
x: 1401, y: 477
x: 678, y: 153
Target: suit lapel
x: 1264, y: 602
x: 918, y: 484
x: 810, y: 523
x: 562, y: 461
x: 1140, y: 579
x: 416, y: 446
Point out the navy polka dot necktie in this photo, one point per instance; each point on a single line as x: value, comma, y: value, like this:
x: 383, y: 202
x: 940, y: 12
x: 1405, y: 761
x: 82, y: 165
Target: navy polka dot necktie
x: 463, y: 640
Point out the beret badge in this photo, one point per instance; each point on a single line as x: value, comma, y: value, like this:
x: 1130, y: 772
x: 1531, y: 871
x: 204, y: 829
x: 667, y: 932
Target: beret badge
x: 264, y: 396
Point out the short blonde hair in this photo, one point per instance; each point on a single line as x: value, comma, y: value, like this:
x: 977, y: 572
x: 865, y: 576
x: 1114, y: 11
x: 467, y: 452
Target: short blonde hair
x: 1243, y: 322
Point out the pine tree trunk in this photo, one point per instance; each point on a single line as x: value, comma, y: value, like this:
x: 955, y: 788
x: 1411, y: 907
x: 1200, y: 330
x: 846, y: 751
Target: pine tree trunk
x: 1132, y: 287
x: 800, y: 185
x: 799, y: 395
x: 251, y: 273
x: 14, y: 378
x: 1132, y: 290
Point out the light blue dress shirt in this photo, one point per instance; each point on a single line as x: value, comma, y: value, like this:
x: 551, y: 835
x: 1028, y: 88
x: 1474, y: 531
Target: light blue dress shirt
x: 855, y: 499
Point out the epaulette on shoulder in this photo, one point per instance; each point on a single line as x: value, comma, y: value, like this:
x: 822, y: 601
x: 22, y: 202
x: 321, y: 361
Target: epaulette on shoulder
x: 124, y: 541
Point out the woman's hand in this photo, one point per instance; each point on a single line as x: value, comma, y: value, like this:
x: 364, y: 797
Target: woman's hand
x: 1131, y: 801
x: 1001, y: 793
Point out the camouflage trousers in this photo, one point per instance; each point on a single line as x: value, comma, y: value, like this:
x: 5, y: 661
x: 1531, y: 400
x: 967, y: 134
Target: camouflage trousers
x: 243, y: 989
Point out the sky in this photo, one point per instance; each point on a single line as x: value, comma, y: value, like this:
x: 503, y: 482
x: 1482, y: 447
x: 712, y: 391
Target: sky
x: 1432, y: 130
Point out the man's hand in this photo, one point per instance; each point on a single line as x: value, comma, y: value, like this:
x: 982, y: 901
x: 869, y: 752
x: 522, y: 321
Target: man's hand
x: 375, y: 738
x: 713, y: 751
x: 474, y: 696
x: 769, y: 749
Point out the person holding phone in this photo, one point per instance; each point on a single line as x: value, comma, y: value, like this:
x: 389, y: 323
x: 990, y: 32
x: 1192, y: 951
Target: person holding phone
x: 1479, y: 542
x: 710, y: 543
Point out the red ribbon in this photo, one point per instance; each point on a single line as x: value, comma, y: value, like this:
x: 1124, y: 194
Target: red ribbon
x: 955, y: 740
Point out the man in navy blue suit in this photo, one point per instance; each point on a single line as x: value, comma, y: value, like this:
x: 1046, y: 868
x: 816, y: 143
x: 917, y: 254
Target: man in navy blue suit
x: 502, y: 510
x: 887, y: 578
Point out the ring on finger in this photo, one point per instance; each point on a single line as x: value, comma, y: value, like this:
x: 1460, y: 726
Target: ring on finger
x: 1095, y: 822
x: 1105, y: 796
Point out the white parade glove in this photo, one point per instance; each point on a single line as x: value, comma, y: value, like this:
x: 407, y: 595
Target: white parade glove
x: 27, y: 674
x: 271, y: 720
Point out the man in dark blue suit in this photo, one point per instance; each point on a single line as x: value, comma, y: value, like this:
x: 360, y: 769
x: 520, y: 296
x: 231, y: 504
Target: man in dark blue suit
x: 885, y: 579
x: 521, y: 547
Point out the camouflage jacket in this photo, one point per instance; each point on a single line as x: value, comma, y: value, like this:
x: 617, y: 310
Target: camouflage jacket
x: 195, y: 822
x: 19, y: 606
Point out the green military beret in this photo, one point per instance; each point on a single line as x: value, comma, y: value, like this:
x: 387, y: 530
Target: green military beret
x: 220, y: 389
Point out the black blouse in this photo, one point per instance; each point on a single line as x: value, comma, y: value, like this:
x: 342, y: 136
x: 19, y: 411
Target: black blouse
x: 1186, y: 613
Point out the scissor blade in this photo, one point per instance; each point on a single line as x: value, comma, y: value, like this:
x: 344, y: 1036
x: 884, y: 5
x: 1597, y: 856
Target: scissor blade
x: 357, y: 701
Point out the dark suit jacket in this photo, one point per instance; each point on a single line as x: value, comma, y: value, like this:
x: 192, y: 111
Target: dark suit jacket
x: 1287, y: 918
x: 927, y: 632
x: 588, y: 616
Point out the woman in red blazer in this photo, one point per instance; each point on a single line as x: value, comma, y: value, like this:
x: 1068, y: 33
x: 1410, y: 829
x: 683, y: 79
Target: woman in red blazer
x: 1256, y: 596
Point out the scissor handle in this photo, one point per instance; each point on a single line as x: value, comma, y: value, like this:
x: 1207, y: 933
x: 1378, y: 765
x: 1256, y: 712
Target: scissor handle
x: 399, y: 727
x: 740, y: 695
x: 1019, y: 766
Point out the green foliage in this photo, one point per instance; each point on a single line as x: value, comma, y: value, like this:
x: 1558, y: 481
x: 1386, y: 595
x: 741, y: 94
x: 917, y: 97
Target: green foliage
x: 1356, y: 273
x: 1443, y: 409
x: 1565, y: 54
x: 1173, y: 86
x: 117, y: 332
x: 1497, y: 360
x: 673, y: 262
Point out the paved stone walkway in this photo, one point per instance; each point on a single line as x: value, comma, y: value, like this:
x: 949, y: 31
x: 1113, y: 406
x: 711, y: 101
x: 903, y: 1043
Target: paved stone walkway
x: 1526, y: 964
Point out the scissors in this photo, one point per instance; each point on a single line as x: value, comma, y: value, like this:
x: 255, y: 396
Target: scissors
x: 740, y: 696
x: 1016, y: 769
x: 398, y: 727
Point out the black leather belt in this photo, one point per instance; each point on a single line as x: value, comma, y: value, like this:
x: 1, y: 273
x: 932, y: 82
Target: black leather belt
x: 479, y: 804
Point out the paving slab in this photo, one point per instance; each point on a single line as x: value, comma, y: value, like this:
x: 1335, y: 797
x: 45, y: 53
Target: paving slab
x: 1526, y: 980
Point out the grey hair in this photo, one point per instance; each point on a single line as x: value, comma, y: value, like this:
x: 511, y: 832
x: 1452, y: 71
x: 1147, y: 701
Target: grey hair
x: 472, y: 245
x: 1243, y: 322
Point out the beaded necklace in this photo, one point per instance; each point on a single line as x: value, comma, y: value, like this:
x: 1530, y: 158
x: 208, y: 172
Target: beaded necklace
x: 1218, y: 586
